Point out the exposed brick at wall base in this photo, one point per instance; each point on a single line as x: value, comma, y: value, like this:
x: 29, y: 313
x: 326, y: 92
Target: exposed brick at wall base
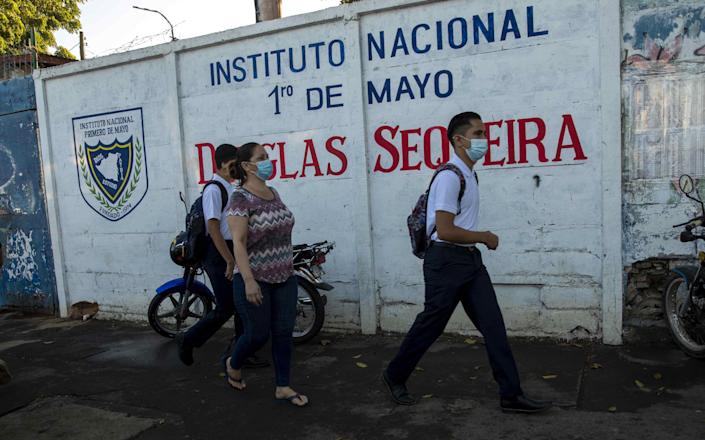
x: 646, y: 281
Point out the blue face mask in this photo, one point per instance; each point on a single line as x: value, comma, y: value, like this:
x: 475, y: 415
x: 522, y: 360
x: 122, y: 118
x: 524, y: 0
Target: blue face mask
x: 478, y: 149
x: 264, y: 169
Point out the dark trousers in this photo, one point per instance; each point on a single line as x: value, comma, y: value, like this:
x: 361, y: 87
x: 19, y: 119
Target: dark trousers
x: 215, y: 267
x: 276, y: 316
x: 452, y: 275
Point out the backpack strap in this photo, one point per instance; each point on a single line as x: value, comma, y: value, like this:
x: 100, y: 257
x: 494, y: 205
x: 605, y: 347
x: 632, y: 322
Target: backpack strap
x: 459, y: 173
x: 223, y: 193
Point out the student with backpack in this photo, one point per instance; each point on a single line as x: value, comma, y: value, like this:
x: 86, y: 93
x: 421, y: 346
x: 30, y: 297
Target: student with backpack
x: 443, y: 229
x: 218, y: 260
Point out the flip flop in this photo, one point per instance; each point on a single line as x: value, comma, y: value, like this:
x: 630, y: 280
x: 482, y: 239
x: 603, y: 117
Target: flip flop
x: 229, y: 378
x: 291, y: 398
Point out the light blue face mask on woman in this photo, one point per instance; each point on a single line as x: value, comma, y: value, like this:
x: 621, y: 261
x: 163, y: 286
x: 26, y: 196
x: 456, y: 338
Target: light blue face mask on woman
x: 264, y: 169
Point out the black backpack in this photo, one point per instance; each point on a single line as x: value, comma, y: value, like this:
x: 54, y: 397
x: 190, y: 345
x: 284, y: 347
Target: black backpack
x: 189, y: 246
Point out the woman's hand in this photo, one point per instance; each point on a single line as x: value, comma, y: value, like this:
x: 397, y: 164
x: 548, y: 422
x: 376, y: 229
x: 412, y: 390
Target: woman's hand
x: 253, y: 292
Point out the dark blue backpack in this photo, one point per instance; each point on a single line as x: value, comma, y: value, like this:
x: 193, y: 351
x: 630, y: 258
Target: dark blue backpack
x: 189, y: 247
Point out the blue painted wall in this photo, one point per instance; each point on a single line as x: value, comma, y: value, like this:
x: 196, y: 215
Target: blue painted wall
x: 663, y: 31
x: 27, y: 278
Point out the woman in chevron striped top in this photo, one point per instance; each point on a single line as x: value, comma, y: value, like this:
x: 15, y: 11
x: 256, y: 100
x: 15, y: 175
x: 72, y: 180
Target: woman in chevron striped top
x: 264, y: 286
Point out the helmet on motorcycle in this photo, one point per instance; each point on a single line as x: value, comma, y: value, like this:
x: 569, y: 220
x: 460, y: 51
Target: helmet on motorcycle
x: 179, y: 250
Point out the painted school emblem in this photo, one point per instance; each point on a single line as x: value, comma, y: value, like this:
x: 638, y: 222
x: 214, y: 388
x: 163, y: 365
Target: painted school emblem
x: 111, y: 161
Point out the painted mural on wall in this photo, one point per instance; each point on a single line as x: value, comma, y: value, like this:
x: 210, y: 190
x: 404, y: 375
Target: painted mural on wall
x: 111, y: 161
x: 663, y: 92
x: 661, y: 36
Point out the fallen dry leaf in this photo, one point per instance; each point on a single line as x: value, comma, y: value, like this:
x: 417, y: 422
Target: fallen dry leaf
x: 427, y: 396
x: 471, y: 341
x: 612, y: 409
x: 357, y: 357
x: 641, y: 386
x: 596, y: 366
x: 550, y: 376
x: 473, y: 377
x: 361, y: 364
x: 658, y: 376
x: 419, y: 369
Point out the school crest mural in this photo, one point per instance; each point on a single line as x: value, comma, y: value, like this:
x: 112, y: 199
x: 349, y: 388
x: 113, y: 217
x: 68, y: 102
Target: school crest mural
x: 111, y: 161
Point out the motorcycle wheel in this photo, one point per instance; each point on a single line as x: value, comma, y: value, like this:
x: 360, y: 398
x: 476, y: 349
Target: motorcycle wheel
x: 674, y: 299
x: 164, y: 316
x: 310, y: 312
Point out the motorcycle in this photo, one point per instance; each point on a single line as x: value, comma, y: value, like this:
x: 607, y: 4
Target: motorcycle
x: 310, y: 306
x: 182, y: 302
x: 684, y: 296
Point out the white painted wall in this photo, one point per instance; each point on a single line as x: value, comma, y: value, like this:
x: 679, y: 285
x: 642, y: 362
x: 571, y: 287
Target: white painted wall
x: 555, y: 237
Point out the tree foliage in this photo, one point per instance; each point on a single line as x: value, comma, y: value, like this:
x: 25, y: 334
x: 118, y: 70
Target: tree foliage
x: 18, y: 17
x: 64, y: 53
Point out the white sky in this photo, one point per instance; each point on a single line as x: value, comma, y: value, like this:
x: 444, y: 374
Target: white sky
x: 113, y: 26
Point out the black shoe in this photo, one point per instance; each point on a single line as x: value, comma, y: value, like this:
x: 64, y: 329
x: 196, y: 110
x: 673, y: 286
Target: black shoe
x: 398, y: 392
x: 185, y: 350
x: 522, y: 404
x: 255, y: 362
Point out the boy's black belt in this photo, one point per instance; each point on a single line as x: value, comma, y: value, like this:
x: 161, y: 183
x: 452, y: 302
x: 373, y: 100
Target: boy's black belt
x: 452, y: 245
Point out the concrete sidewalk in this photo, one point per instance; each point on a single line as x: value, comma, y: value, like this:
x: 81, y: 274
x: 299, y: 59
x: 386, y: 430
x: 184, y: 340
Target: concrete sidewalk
x: 116, y: 380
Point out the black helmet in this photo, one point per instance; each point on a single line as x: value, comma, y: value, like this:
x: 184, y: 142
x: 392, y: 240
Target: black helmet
x: 181, y: 251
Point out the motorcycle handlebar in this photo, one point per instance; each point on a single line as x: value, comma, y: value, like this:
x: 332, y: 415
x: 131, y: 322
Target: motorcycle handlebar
x: 697, y: 221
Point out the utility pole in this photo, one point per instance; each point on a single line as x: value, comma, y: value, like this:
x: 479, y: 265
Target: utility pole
x: 82, y: 43
x: 267, y: 10
x: 33, y: 42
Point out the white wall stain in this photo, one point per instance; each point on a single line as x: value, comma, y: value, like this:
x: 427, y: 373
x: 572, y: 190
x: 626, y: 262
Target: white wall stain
x: 20, y: 256
x: 4, y: 184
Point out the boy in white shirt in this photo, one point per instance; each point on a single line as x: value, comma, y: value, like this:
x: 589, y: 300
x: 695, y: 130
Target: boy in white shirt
x: 454, y: 272
x: 219, y: 262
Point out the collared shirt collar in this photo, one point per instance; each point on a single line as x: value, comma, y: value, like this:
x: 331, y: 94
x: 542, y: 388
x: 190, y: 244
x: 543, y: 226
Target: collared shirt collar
x: 217, y: 177
x: 455, y: 160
